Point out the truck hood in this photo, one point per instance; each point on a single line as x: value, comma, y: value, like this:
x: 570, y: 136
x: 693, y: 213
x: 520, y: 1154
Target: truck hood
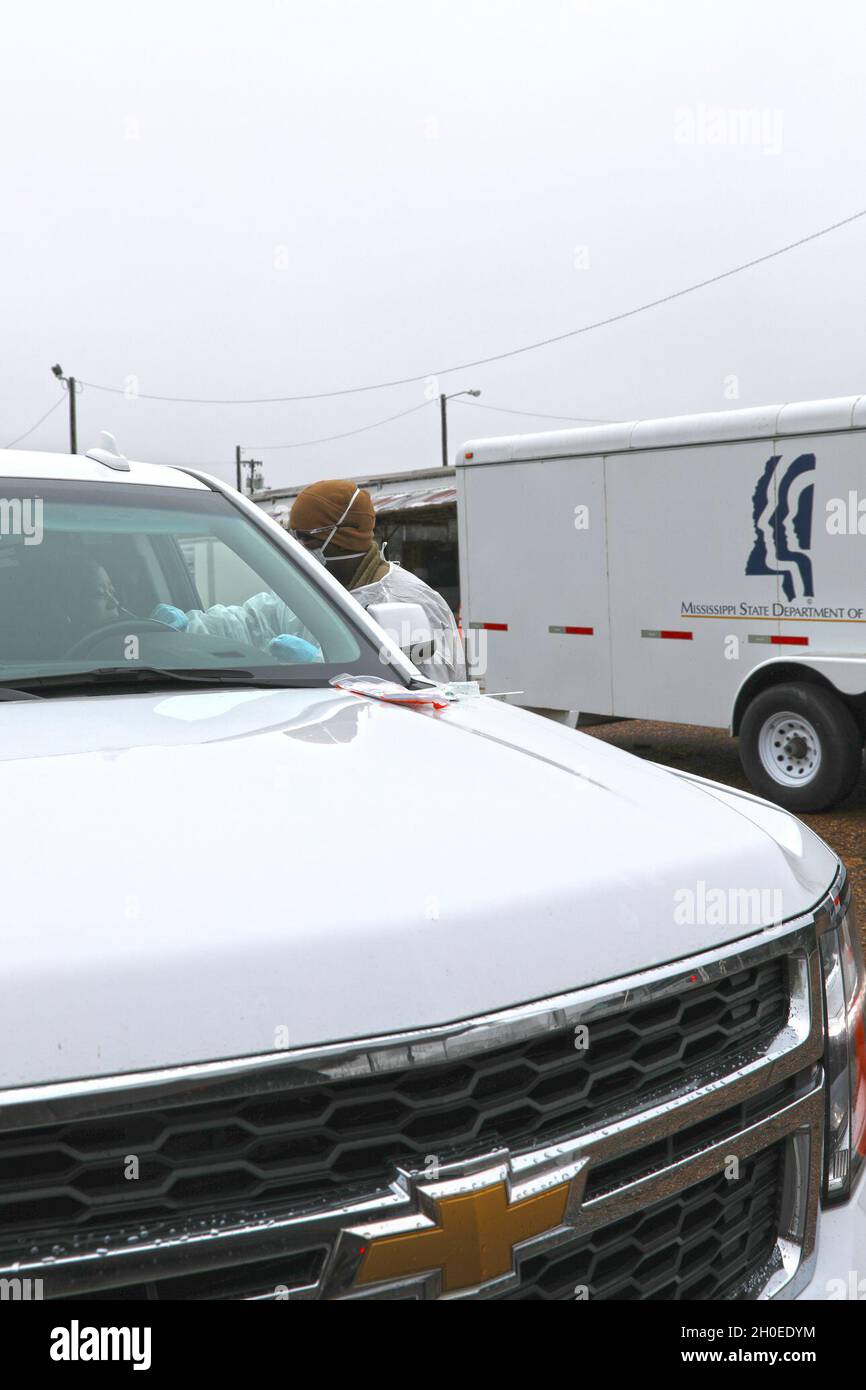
x: 214, y: 874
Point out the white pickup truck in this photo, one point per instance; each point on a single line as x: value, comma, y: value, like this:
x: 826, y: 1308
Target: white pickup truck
x: 311, y: 993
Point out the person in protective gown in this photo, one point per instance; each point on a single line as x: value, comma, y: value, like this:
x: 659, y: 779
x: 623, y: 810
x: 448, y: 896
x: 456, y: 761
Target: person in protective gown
x: 335, y: 521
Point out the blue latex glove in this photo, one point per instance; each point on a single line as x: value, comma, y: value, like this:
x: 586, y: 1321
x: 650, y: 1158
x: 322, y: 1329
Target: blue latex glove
x: 172, y: 617
x: 287, y: 648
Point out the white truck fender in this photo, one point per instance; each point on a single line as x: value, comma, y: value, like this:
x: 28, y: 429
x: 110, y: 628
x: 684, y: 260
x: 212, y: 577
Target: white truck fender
x: 847, y: 674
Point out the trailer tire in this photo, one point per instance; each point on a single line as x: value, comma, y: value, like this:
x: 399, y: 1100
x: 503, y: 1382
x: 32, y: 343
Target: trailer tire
x: 800, y: 746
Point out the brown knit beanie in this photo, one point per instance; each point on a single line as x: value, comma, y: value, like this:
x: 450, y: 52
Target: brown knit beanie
x: 322, y: 504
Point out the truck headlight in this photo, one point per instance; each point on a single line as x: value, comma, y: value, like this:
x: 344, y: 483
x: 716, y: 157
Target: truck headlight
x: 845, y: 1056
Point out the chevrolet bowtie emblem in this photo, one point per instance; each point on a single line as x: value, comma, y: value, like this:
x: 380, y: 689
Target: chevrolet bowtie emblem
x: 464, y: 1234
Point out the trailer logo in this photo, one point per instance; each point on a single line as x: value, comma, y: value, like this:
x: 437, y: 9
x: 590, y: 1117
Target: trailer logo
x: 782, y: 506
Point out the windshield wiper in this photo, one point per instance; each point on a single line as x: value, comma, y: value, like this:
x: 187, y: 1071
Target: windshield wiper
x: 108, y: 676
x: 9, y: 692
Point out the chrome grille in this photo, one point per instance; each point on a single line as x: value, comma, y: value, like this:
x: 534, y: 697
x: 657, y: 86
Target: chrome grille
x: 702, y: 1243
x: 536, y: 1112
x: 307, y: 1143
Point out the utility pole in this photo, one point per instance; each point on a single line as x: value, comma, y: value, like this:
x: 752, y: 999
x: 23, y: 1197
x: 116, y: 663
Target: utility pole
x: 73, y: 422
x: 443, y: 419
x: 252, y: 465
x: 72, y: 387
x: 240, y: 465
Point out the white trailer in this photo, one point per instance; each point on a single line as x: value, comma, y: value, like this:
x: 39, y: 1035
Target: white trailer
x: 705, y: 569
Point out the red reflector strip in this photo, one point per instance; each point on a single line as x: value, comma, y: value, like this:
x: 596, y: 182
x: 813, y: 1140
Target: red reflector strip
x: 491, y: 627
x: 667, y: 633
x: 770, y: 639
x: 575, y: 631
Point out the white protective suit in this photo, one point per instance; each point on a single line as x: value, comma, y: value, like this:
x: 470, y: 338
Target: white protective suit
x: 402, y: 586
x: 258, y: 621
x: 264, y: 616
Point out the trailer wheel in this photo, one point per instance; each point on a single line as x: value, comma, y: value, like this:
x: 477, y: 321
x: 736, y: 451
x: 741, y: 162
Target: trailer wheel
x: 800, y: 747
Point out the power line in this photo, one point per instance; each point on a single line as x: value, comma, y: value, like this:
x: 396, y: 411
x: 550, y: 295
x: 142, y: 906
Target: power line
x: 499, y: 356
x: 26, y: 433
x: 540, y: 415
x: 328, y: 439
x: 376, y: 424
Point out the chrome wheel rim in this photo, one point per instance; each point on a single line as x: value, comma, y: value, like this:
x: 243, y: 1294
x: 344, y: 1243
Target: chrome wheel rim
x: 789, y: 749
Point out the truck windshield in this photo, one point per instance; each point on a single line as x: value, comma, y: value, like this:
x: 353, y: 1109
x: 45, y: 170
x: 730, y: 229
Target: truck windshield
x: 131, y: 578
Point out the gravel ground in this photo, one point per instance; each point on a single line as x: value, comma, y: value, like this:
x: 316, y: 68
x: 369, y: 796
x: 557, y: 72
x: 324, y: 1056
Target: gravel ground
x: 712, y: 753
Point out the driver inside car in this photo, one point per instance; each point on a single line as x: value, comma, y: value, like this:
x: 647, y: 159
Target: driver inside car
x: 90, y: 597
x: 106, y: 604
x: 264, y: 621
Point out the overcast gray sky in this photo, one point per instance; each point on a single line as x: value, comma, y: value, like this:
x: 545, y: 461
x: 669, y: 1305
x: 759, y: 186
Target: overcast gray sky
x: 280, y: 198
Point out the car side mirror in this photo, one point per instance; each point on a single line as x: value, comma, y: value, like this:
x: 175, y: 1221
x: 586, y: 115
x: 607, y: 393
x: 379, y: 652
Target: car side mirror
x: 408, y: 626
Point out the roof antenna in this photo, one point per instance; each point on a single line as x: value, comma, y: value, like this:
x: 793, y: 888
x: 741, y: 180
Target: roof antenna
x: 109, y: 454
